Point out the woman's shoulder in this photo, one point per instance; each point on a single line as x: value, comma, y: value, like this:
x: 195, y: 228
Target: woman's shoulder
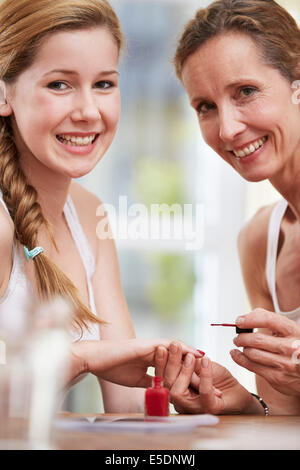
x: 252, y: 239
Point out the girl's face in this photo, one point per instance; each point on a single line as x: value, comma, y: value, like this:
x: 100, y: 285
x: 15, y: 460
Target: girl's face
x: 65, y: 107
x: 245, y: 107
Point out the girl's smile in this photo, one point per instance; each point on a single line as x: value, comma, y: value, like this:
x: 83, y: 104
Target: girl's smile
x: 68, y: 115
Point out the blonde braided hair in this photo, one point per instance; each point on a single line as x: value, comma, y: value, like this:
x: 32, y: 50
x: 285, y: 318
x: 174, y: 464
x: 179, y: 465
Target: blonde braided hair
x: 23, y: 27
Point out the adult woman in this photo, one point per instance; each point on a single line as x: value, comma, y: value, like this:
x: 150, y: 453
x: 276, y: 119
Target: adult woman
x: 60, y: 106
x: 238, y: 61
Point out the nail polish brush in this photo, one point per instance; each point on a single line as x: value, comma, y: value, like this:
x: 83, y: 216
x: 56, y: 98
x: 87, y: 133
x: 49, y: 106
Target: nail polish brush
x: 237, y: 329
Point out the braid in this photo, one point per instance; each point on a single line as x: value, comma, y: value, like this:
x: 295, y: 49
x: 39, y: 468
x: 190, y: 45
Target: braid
x: 24, y: 25
x: 21, y: 201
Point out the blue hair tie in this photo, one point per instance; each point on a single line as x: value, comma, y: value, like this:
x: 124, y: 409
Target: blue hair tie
x: 30, y: 254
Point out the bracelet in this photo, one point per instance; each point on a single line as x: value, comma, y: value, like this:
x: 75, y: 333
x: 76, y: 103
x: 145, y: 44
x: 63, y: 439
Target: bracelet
x: 263, y: 404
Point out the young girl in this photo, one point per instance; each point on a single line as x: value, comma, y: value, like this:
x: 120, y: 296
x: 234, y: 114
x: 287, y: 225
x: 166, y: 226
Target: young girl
x: 59, y: 108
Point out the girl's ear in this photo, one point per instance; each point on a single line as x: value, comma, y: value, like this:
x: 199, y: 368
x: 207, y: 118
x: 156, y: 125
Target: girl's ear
x: 5, y: 108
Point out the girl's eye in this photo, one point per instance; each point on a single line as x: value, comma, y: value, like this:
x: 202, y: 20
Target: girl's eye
x: 104, y: 84
x: 57, y: 85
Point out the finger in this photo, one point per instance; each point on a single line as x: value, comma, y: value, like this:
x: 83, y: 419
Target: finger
x: 174, y: 364
x: 189, y: 349
x: 184, y: 377
x: 218, y: 392
x: 195, y: 381
x: 245, y: 362
x: 185, y: 348
x: 206, y: 388
x: 265, y: 342
x: 145, y: 382
x: 160, y: 361
x: 268, y: 359
x: 197, y: 366
x: 261, y: 318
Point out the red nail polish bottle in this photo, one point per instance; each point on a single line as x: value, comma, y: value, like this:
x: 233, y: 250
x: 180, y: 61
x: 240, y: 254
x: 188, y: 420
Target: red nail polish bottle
x: 157, y: 399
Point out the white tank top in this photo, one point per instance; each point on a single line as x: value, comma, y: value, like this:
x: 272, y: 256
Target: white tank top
x: 13, y: 305
x: 272, y: 249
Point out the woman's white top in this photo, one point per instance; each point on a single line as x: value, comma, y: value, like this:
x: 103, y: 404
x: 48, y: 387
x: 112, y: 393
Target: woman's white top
x: 13, y: 305
x: 272, y: 250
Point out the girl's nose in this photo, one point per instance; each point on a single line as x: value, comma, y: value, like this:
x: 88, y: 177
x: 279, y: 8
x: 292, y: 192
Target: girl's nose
x: 86, y: 108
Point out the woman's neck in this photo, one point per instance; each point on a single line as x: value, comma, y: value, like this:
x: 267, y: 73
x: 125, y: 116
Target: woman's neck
x: 287, y: 183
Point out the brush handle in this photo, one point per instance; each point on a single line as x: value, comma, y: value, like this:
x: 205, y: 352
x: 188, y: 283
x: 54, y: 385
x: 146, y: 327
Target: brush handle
x: 243, y: 330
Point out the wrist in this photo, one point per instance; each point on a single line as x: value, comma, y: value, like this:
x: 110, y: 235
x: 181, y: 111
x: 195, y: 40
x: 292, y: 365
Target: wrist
x: 253, y: 406
x: 80, y: 364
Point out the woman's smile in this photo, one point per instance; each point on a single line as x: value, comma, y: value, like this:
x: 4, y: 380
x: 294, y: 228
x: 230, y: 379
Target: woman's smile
x: 245, y: 108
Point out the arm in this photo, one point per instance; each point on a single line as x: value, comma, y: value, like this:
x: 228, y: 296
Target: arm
x: 252, y: 245
x: 112, y: 308
x: 6, y: 243
x: 109, y: 299
x: 122, y: 362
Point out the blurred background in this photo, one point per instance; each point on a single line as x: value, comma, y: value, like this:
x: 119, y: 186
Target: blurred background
x: 158, y: 156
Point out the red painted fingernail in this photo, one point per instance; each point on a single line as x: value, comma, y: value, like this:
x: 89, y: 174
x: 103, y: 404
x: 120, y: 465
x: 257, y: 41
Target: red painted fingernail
x: 201, y: 352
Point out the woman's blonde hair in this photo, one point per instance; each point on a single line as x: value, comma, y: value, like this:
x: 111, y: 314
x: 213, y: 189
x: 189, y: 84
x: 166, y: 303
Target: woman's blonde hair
x: 272, y: 28
x: 24, y: 24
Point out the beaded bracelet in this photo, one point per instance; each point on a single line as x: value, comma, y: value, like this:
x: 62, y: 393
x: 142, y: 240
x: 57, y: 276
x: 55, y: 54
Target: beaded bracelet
x: 263, y: 404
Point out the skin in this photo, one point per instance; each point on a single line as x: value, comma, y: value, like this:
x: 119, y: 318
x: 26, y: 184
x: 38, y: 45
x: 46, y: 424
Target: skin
x: 82, y: 98
x: 238, y: 102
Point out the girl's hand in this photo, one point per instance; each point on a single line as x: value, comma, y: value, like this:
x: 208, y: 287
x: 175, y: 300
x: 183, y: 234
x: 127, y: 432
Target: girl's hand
x: 274, y: 357
x: 124, y: 362
x: 218, y: 392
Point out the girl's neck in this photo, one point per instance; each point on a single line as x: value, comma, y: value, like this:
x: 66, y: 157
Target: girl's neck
x: 52, y: 189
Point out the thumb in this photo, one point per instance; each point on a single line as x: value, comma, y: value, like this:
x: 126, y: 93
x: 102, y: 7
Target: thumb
x: 145, y: 381
x: 206, y: 388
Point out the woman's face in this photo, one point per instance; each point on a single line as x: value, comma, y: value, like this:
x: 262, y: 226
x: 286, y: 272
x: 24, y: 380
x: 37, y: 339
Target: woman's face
x: 65, y: 107
x: 245, y: 107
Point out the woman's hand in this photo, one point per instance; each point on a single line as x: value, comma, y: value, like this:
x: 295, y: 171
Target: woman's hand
x: 124, y: 362
x: 274, y: 357
x: 211, y: 390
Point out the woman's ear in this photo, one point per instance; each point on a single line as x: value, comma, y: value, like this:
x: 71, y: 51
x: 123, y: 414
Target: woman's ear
x: 5, y: 108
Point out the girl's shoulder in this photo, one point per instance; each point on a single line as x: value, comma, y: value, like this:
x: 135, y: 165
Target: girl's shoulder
x: 6, y: 246
x: 86, y: 204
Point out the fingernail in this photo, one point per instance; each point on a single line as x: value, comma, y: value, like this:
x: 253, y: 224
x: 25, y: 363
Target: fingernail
x: 173, y: 348
x: 204, y: 362
x: 188, y: 360
x: 160, y: 353
x: 240, y: 320
x: 234, y: 352
x: 202, y: 353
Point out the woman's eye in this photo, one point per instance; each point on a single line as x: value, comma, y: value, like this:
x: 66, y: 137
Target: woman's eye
x: 203, y: 108
x: 247, y: 91
x: 57, y: 85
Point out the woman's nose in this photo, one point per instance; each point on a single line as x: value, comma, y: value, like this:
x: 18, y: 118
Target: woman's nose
x: 86, y: 108
x: 230, y: 124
